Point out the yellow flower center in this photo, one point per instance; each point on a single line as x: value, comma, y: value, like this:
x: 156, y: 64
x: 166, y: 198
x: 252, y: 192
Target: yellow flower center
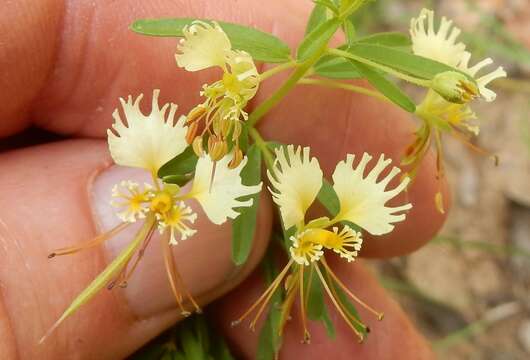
x: 231, y: 83
x: 162, y: 202
x: 323, y: 237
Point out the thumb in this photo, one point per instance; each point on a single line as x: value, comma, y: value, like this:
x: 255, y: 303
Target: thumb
x: 57, y: 195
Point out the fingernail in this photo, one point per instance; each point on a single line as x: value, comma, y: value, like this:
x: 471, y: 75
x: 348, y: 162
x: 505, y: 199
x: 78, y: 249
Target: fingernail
x: 203, y: 260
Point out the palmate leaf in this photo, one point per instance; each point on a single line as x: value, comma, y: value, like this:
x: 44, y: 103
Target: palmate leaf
x: 244, y: 226
x: 104, y: 278
x: 260, y: 45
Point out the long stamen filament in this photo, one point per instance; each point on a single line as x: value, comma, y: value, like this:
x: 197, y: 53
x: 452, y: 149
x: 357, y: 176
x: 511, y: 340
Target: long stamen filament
x: 307, y: 335
x: 90, y: 243
x: 168, y: 261
x: 272, y: 287
x: 287, y: 305
x: 379, y: 315
x: 337, y: 306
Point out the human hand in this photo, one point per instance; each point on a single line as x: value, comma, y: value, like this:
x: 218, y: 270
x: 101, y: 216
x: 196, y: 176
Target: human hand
x: 64, y: 67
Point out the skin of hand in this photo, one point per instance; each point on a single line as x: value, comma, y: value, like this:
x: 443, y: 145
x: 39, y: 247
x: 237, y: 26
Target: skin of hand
x: 64, y: 66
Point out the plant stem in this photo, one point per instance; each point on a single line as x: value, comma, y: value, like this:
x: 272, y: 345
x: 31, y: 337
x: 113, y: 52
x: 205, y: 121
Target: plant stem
x: 262, y: 145
x: 277, y: 69
x: 344, y: 86
x: 389, y: 70
x: 275, y: 98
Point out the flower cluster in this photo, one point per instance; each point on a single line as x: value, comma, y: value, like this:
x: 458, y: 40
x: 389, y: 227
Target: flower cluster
x: 218, y: 119
x: 216, y: 178
x: 296, y: 181
x: 446, y: 105
x: 148, y: 142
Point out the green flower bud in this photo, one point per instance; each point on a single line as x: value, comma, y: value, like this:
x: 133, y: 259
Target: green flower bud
x: 454, y: 87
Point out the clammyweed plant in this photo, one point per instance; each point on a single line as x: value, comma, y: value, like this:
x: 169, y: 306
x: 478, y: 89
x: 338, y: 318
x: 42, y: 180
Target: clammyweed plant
x: 218, y: 149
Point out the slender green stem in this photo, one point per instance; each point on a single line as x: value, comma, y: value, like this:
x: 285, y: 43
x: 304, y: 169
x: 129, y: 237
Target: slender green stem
x: 275, y: 98
x: 389, y: 70
x: 277, y: 69
x: 344, y: 86
x: 265, y: 150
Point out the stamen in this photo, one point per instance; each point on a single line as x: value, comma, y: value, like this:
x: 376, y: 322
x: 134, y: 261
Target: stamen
x: 337, y: 306
x: 90, y: 243
x: 138, y: 257
x: 170, y: 269
x: 457, y: 135
x: 287, y: 305
x: 307, y: 335
x: 272, y: 287
x: 379, y: 315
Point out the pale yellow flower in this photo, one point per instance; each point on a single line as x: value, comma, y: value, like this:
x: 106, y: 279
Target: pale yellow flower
x: 303, y: 250
x: 146, y: 141
x: 175, y: 219
x: 296, y: 181
x: 219, y: 189
x: 363, y: 198
x: 132, y: 199
x: 483, y: 80
x: 442, y: 46
x: 439, y: 45
x: 204, y: 45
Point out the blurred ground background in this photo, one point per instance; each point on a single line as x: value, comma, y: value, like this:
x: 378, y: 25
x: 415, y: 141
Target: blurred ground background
x: 469, y: 289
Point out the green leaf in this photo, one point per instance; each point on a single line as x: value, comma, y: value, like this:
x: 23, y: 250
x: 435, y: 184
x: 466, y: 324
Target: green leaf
x: 330, y: 4
x: 317, y: 38
x: 328, y: 324
x: 244, y: 226
x: 336, y: 68
x: 315, y: 294
x: 402, y: 61
x: 317, y: 17
x: 179, y: 180
x: 182, y: 164
x: 349, y: 31
x: 328, y: 197
x: 106, y: 275
x: 260, y: 45
x: 390, y: 39
x: 386, y: 87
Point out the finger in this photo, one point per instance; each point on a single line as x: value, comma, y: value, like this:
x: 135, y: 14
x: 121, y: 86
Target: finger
x: 48, y: 205
x: 92, y: 58
x: 100, y: 59
x: 392, y: 338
